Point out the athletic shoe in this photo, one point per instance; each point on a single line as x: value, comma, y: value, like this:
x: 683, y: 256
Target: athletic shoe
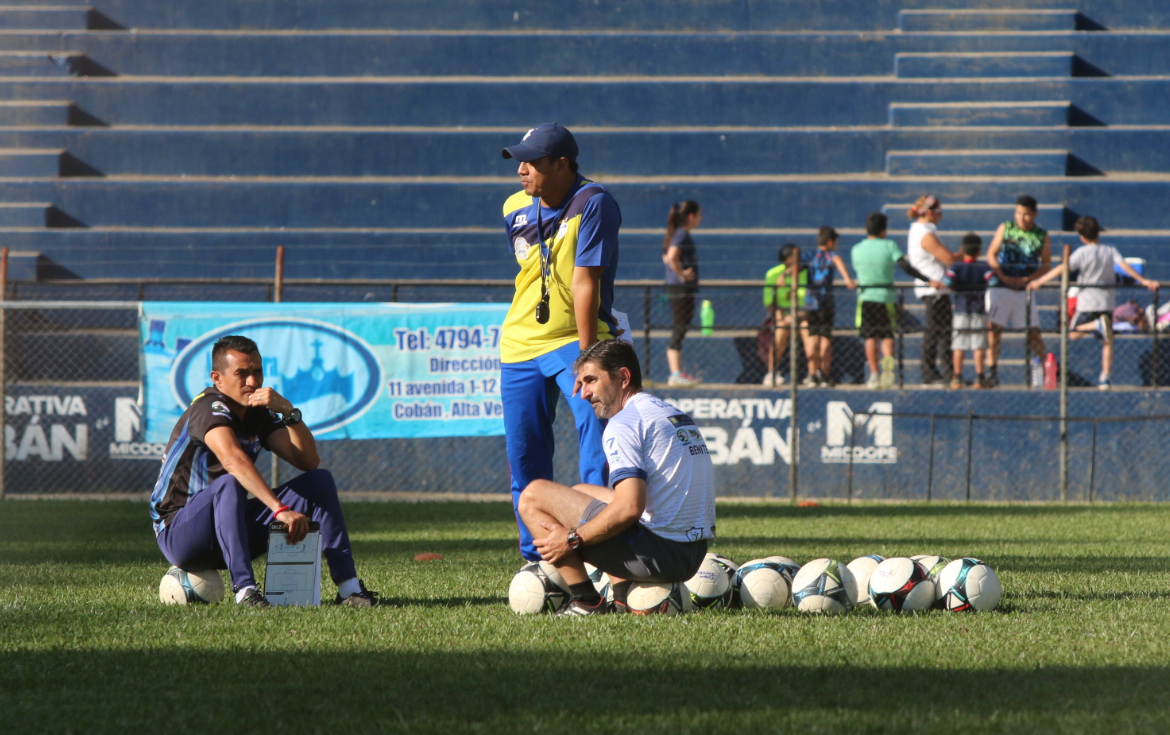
x: 811, y: 381
x: 773, y: 380
x: 1103, y: 382
x: 578, y: 608
x: 682, y: 380
x: 992, y: 378
x: 956, y: 383
x: 981, y: 383
x: 872, y: 382
x: 887, y: 376
x: 255, y: 598
x: 365, y: 598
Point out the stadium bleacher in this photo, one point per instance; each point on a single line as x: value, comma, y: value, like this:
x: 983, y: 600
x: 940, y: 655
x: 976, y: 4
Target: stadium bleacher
x: 179, y: 139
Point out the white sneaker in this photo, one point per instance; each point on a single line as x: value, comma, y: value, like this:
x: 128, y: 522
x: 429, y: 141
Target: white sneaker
x: 773, y: 380
x: 888, y: 373
x: 682, y: 380
x: 873, y: 383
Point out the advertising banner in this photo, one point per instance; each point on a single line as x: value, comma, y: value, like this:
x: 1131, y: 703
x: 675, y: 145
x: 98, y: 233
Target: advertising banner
x: 356, y: 371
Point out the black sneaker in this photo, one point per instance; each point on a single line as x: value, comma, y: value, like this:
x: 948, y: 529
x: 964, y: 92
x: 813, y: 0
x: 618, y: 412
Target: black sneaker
x: 365, y: 598
x: 991, y: 379
x: 255, y: 598
x: 578, y: 608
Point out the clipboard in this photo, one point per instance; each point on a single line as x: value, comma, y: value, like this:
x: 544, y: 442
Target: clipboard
x: 293, y: 576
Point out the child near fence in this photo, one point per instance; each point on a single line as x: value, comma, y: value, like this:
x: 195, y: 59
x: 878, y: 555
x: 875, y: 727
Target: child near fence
x: 969, y: 279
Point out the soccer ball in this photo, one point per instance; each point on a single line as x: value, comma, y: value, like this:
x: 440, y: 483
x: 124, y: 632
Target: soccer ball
x: 932, y: 564
x: 537, y: 587
x: 762, y: 583
x: 969, y: 585
x: 790, y: 566
x: 709, y: 586
x: 862, y: 567
x: 183, y: 587
x: 652, y: 598
x: 824, y: 586
x: 729, y: 569
x: 901, y: 585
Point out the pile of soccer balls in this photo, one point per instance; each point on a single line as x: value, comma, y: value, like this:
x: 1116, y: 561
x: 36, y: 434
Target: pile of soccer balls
x: 899, y: 584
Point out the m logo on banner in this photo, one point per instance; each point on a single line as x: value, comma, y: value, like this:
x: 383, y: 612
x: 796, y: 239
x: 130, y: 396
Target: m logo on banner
x: 875, y: 447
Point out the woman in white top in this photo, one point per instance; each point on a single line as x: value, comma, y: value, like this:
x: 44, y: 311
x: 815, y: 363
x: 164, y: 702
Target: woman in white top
x: 926, y: 253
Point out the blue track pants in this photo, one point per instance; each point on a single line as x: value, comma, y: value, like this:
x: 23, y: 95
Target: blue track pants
x: 529, y: 393
x: 220, y: 528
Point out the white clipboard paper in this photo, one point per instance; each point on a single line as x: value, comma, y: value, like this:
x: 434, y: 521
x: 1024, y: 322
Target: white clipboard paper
x: 293, y: 576
x: 623, y: 325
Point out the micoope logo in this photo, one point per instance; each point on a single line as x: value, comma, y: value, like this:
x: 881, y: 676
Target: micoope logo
x: 329, y: 373
x: 876, y: 446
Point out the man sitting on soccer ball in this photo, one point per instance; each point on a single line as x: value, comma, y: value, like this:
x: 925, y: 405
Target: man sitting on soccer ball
x: 653, y: 522
x: 202, y: 516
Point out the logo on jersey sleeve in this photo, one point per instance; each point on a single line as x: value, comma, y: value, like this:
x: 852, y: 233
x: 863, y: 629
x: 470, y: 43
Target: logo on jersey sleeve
x: 612, y: 452
x: 218, y: 408
x: 521, y: 219
x: 520, y: 246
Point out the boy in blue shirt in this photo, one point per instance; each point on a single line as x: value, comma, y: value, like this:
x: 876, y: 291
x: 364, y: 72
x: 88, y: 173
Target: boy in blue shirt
x: 969, y: 279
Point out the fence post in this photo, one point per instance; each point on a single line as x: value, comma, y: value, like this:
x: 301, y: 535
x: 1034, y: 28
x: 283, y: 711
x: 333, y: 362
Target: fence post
x: 1155, y: 362
x: 277, y: 294
x: 930, y: 468
x: 1027, y: 337
x: 901, y: 340
x: 772, y: 356
x: 793, y: 372
x: 3, y: 369
x: 1064, y: 377
x: 1093, y: 461
x: 970, y: 445
x: 646, y: 333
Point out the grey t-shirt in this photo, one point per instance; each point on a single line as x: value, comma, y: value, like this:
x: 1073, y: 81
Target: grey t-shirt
x: 1095, y: 266
x: 687, y: 259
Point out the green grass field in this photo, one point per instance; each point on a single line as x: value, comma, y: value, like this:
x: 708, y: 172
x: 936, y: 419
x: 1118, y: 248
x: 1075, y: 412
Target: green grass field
x: 1079, y: 644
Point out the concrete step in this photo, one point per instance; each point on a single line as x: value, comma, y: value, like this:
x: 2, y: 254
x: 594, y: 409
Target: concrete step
x: 23, y: 214
x: 978, y: 163
x: 979, y: 114
x: 984, y: 65
x: 980, y: 217
x: 45, y: 17
x: 29, y: 162
x: 985, y: 21
x: 47, y: 113
x: 36, y: 64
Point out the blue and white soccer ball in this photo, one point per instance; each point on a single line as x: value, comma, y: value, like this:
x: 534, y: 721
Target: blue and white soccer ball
x: 537, y: 587
x: 653, y: 598
x: 729, y: 568
x: 824, y: 586
x: 862, y: 567
x: 762, y: 583
x: 709, y: 585
x: 969, y: 585
x: 790, y: 566
x: 185, y: 587
x: 901, y: 585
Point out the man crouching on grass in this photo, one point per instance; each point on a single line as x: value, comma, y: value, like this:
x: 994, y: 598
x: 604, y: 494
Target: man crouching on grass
x: 653, y: 523
x: 202, y: 516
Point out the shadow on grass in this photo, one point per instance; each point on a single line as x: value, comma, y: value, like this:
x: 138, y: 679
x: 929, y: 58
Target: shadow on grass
x: 106, y: 690
x: 443, y: 601
x: 923, y: 510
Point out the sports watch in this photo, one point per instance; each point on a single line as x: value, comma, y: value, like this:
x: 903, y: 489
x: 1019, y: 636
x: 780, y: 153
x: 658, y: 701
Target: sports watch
x: 293, y: 418
x: 574, y: 541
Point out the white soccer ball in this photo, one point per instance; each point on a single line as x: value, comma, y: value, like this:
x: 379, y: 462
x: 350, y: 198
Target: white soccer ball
x: 790, y: 566
x: 653, y: 598
x: 969, y: 585
x: 824, y: 586
x: 762, y: 583
x: 537, y: 587
x: 186, y: 587
x: 729, y: 568
x: 901, y: 585
x: 709, y: 586
x: 862, y: 567
x: 932, y: 564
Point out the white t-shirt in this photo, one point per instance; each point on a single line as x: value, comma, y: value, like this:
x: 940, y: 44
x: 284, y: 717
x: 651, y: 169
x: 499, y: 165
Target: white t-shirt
x: 926, y: 263
x: 652, y: 440
x: 1095, y: 265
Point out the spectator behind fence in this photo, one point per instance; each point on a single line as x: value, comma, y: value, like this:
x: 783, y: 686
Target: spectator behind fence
x: 1094, y: 264
x: 818, y: 345
x: 969, y: 278
x: 927, y: 253
x: 778, y: 302
x: 682, y: 282
x: 877, y: 317
x: 1019, y: 253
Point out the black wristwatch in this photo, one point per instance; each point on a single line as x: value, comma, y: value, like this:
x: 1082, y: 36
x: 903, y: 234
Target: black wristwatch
x: 574, y: 540
x: 293, y: 418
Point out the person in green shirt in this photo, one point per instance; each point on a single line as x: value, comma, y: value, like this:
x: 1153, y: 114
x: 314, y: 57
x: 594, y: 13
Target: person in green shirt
x: 778, y: 302
x: 873, y: 261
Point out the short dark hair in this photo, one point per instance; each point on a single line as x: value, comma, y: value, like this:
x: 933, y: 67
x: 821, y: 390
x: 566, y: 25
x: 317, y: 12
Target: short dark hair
x: 1027, y: 200
x: 1088, y: 228
x: 786, y: 251
x: 611, y: 355
x: 876, y: 224
x: 826, y: 235
x: 972, y: 244
x: 231, y: 343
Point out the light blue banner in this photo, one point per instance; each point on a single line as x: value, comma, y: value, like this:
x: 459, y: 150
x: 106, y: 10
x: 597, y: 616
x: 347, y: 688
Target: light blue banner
x: 356, y: 371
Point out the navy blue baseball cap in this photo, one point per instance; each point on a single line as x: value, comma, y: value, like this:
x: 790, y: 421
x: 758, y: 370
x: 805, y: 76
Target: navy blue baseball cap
x: 546, y: 139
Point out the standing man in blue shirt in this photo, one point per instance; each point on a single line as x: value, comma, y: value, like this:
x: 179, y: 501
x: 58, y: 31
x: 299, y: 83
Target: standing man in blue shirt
x: 563, y: 231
